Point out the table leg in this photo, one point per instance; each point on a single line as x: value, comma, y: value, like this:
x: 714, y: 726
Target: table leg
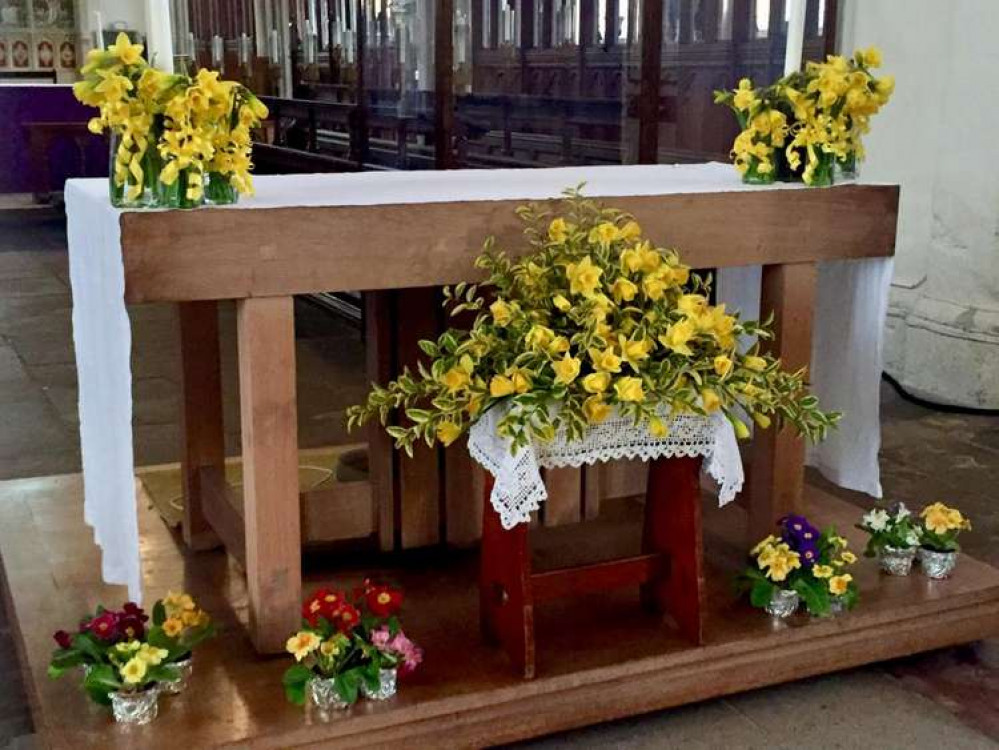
x: 778, y: 456
x: 203, y: 433
x: 266, y: 337
x: 506, y: 604
x: 673, y: 529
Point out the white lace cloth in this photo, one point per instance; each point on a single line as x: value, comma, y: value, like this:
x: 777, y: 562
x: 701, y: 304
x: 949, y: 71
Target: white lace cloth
x: 519, y: 490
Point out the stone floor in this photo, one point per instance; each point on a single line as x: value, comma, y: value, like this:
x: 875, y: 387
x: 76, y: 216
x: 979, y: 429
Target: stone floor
x: 927, y: 455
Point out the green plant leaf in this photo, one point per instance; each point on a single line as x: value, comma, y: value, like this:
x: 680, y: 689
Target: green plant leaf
x: 347, y: 685
x: 295, y: 678
x: 761, y: 593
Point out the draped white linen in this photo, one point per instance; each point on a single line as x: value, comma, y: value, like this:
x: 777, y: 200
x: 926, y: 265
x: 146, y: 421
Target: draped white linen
x: 846, y: 361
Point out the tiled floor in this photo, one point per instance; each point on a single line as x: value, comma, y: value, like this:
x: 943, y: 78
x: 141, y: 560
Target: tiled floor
x: 927, y: 455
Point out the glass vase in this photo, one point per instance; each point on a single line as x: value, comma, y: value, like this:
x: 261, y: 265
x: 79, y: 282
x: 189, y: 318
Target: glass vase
x: 896, y: 561
x: 935, y: 564
x: 753, y: 176
x: 219, y: 191
x: 323, y: 695
x: 822, y: 175
x: 138, y: 707
x: 184, y: 667
x: 846, y: 167
x: 176, y: 194
x: 783, y: 603
x: 133, y: 192
x: 387, y: 681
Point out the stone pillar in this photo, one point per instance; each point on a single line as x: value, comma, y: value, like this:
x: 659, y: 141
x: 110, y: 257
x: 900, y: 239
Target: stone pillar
x: 937, y: 138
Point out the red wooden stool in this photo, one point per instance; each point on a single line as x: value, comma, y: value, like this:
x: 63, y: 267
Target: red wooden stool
x: 670, y: 569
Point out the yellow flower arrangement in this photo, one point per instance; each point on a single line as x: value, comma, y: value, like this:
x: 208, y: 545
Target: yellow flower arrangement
x: 803, y: 560
x: 807, y: 120
x: 940, y: 526
x: 173, y: 132
x: 576, y: 328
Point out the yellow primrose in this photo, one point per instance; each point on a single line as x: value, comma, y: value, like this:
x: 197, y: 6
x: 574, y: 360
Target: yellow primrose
x: 584, y: 277
x: 448, y: 432
x: 521, y: 381
x: 822, y: 571
x: 762, y: 544
x: 173, y: 626
x: 561, y: 303
x: 780, y: 563
x: 848, y: 557
x: 566, y: 369
x: 762, y: 420
x: 330, y: 648
x: 595, y: 410
x: 175, y: 603
x: 596, y: 382
x: 839, y: 585
x: 766, y: 555
x: 629, y: 389
x: 605, y: 360
x: 134, y: 671
x: 558, y: 231
x: 604, y: 234
x: 302, y: 644
x: 500, y: 386
x: 756, y: 364
x: 623, y: 290
x: 151, y: 655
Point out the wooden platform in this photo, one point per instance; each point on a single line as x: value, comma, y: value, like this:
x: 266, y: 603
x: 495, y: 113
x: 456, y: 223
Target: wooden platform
x: 599, y: 657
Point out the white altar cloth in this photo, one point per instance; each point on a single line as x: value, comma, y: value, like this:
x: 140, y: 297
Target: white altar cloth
x: 846, y: 358
x: 519, y: 490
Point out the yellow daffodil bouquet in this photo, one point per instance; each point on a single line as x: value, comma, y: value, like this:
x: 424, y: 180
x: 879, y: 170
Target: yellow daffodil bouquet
x: 174, y: 137
x: 807, y: 122
x: 593, y: 318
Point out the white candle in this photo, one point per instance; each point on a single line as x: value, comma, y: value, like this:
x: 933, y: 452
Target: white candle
x: 218, y: 53
x: 99, y: 29
x: 159, y: 35
x: 310, y: 42
x: 275, y: 47
x: 795, y: 35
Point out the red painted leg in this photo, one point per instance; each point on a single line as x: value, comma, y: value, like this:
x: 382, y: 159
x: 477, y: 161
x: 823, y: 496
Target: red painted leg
x: 673, y: 529
x: 506, y: 602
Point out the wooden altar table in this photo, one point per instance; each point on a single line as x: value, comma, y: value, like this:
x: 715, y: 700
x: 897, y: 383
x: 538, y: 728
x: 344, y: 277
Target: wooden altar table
x: 424, y: 230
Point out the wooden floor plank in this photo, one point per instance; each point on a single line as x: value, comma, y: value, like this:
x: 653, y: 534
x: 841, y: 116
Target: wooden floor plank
x: 614, y: 661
